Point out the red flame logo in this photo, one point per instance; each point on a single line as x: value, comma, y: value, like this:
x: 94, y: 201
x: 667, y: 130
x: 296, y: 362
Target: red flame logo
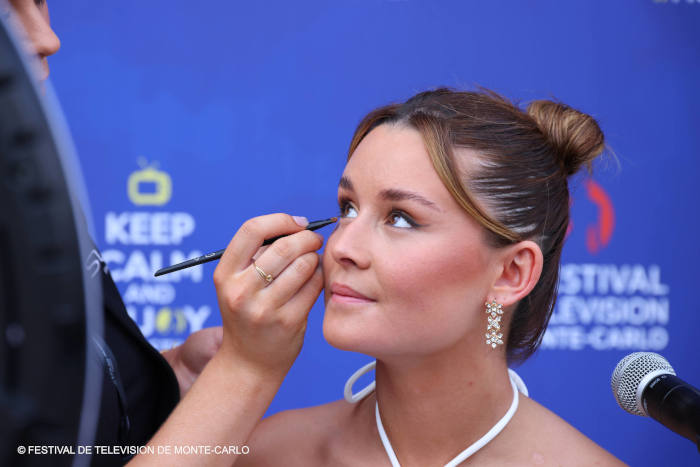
x: 599, y: 233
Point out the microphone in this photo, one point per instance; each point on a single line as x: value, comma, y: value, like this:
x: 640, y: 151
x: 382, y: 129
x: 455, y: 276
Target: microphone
x: 645, y: 384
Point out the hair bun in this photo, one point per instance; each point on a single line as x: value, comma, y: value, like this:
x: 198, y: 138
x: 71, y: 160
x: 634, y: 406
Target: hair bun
x: 575, y: 136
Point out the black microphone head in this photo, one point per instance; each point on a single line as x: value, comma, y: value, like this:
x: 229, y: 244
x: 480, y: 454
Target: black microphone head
x: 631, y: 376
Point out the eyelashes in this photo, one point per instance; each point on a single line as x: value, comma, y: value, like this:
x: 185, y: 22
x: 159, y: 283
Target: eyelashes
x: 395, y: 217
x: 343, y: 207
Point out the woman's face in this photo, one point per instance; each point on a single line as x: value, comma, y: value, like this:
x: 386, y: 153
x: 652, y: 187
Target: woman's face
x: 39, y: 38
x: 405, y: 245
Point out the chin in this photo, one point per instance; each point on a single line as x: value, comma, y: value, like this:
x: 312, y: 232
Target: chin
x: 363, y: 334
x: 351, y: 333
x: 368, y: 332
x: 338, y: 332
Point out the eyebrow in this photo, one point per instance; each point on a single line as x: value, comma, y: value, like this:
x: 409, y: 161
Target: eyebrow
x: 392, y: 194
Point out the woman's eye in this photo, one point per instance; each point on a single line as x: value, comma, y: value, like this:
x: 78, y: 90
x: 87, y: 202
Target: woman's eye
x: 347, y: 210
x: 399, y: 219
x: 396, y: 218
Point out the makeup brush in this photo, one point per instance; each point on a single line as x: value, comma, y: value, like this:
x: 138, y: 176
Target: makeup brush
x: 214, y: 255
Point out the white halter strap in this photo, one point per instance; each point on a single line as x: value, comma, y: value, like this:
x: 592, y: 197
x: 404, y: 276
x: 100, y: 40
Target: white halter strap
x: 515, y: 381
x: 347, y: 393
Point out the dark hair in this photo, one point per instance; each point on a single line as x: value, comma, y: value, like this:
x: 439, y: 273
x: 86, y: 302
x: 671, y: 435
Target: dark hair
x: 519, y: 188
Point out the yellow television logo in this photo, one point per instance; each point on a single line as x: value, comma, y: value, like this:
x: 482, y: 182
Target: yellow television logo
x: 149, y: 175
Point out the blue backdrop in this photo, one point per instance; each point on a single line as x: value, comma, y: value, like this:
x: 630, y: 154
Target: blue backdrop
x: 191, y: 117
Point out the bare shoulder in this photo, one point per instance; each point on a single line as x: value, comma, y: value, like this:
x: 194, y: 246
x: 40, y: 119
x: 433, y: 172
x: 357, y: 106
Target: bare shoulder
x: 295, y: 437
x: 544, y: 438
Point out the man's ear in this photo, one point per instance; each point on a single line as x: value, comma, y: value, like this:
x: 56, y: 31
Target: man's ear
x: 521, y: 267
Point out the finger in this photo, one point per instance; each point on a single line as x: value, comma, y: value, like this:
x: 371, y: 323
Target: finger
x: 291, y: 280
x: 277, y: 258
x: 283, y: 252
x: 258, y: 253
x: 214, y: 335
x: 297, y: 308
x: 251, y: 235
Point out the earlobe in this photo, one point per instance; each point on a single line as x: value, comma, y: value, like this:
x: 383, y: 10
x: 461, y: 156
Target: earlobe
x: 520, y: 272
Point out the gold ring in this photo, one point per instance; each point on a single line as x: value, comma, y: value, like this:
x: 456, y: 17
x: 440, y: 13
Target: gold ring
x: 266, y: 277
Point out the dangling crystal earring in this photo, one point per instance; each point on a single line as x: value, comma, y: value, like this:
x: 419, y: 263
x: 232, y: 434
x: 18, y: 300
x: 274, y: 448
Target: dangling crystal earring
x: 495, y: 312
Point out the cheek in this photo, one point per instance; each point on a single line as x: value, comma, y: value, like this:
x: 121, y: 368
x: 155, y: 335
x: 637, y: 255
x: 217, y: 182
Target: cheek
x: 432, y: 297
x: 435, y: 279
x: 327, y: 258
x: 327, y: 265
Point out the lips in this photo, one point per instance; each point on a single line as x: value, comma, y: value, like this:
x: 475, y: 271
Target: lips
x: 345, y: 293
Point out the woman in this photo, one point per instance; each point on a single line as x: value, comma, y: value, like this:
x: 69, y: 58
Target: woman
x: 448, y: 201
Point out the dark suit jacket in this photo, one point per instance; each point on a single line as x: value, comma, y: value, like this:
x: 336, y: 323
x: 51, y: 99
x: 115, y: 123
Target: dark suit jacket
x: 149, y: 387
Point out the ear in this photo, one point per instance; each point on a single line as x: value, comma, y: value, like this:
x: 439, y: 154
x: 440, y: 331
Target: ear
x: 521, y: 267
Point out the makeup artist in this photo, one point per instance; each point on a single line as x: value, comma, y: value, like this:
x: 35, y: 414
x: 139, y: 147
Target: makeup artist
x: 262, y: 338
x: 148, y: 385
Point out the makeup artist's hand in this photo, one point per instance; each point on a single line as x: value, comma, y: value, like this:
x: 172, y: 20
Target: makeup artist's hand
x: 189, y: 358
x: 264, y: 324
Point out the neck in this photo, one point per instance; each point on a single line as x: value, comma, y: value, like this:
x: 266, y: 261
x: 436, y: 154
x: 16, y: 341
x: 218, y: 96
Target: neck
x: 442, y: 403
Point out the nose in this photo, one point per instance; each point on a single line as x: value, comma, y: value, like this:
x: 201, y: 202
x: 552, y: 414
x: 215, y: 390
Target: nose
x: 349, y: 244
x: 37, y: 34
x: 47, y: 44
x: 45, y: 40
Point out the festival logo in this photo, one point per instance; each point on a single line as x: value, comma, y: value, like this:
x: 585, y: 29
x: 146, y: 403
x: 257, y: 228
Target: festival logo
x: 599, y: 232
x: 601, y: 306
